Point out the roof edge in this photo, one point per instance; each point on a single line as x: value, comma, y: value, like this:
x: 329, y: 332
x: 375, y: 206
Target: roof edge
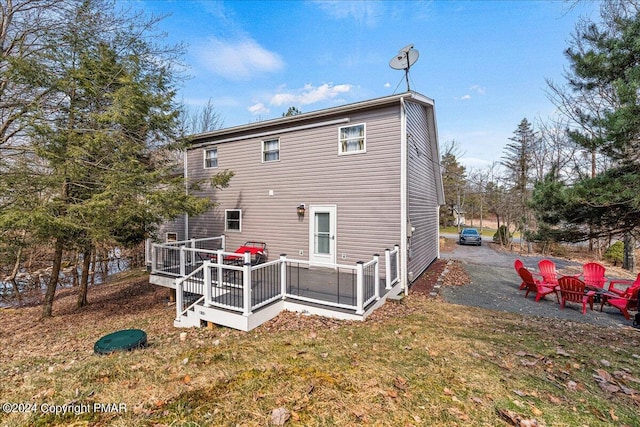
x: 355, y: 106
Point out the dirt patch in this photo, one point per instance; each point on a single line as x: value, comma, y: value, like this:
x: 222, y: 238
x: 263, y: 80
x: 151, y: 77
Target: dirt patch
x: 424, y: 284
x: 455, y: 275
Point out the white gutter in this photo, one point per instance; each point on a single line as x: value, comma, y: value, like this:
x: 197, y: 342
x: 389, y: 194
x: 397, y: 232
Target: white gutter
x: 186, y: 190
x: 403, y: 198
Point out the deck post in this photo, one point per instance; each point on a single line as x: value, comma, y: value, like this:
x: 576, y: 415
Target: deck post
x: 179, y: 299
x: 219, y: 263
x: 193, y: 253
x: 246, y: 285
x: 147, y: 251
x: 376, y: 275
x: 397, y: 248
x: 360, y: 288
x: 283, y: 275
x: 183, y: 260
x: 387, y: 268
x: 207, y: 282
x: 223, y: 242
x: 154, y: 258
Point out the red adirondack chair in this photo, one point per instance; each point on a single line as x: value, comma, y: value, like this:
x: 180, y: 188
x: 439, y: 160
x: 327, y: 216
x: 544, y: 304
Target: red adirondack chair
x: 631, y: 284
x: 573, y: 289
x: 548, y: 271
x: 518, y: 264
x: 593, y: 274
x: 539, y: 287
x: 628, y: 301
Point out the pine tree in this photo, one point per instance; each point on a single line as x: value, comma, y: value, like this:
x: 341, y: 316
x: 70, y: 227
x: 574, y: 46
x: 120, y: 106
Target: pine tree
x: 453, y: 181
x: 518, y: 163
x: 604, y: 65
x: 100, y: 155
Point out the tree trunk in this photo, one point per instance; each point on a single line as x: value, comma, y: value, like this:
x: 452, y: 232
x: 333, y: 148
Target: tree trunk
x: 14, y: 273
x: 84, y: 280
x: 74, y: 272
x: 629, y: 259
x: 93, y: 266
x: 53, y: 280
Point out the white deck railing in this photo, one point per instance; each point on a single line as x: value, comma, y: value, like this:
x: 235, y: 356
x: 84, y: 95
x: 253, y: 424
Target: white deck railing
x: 210, y: 276
x: 171, y: 258
x: 392, y: 265
x: 244, y: 288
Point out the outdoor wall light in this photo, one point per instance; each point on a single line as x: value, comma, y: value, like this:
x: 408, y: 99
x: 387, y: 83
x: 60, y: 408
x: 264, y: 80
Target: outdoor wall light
x: 301, y: 209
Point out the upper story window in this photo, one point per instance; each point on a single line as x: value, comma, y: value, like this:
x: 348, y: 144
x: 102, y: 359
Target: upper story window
x: 271, y: 150
x: 233, y: 220
x: 352, y: 139
x: 210, y: 158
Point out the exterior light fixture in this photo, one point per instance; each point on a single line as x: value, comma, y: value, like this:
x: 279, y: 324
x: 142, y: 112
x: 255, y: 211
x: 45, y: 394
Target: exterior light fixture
x: 301, y: 209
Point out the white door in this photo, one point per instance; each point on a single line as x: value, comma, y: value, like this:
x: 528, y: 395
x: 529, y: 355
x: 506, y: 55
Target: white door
x: 322, y: 234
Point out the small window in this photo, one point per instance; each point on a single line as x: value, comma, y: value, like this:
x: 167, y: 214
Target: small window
x: 172, y: 237
x: 211, y: 158
x: 271, y: 150
x: 233, y: 220
x: 352, y: 139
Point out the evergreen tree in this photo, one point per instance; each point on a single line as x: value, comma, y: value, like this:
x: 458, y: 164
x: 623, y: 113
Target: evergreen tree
x: 453, y: 181
x: 518, y: 164
x: 603, y: 60
x: 100, y: 156
x: 518, y: 156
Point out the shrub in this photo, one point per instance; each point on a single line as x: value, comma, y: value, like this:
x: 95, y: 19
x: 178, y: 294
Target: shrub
x: 502, y: 235
x: 615, y: 253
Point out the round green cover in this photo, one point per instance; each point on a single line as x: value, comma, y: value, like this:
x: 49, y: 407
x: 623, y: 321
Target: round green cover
x: 127, y: 339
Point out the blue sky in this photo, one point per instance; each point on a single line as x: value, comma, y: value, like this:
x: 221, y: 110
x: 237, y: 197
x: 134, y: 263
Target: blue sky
x: 483, y: 62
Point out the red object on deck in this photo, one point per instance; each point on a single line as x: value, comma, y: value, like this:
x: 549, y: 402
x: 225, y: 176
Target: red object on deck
x: 258, y: 251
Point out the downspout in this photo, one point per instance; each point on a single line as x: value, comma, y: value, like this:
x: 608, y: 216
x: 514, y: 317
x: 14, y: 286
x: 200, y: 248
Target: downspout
x: 186, y: 190
x: 403, y: 198
x: 438, y: 232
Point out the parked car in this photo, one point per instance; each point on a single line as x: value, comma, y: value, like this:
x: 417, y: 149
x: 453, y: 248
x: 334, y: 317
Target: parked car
x: 470, y: 236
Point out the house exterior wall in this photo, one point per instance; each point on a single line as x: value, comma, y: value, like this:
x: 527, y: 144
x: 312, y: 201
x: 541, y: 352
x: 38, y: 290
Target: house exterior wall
x: 423, y: 200
x: 364, y: 187
x: 176, y: 226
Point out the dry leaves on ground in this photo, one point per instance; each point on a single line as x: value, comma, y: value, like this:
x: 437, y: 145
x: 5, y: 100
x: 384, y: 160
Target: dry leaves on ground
x: 455, y: 275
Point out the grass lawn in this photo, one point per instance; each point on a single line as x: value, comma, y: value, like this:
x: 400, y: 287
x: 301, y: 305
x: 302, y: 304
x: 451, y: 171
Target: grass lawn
x: 418, y: 362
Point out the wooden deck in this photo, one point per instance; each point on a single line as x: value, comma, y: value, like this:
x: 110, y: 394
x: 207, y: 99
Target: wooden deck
x: 243, y: 295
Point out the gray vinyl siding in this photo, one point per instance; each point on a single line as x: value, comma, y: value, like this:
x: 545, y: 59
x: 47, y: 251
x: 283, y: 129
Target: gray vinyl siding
x: 365, y: 187
x: 176, y: 226
x: 422, y: 200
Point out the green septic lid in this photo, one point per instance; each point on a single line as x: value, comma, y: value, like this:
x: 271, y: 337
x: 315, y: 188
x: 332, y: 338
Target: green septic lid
x: 127, y: 339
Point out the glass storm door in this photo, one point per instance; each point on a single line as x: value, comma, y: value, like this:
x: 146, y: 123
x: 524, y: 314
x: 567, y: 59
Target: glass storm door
x: 322, y: 234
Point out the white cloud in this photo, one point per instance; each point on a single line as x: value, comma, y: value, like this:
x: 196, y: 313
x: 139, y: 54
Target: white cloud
x: 366, y: 13
x: 387, y: 84
x: 258, y: 108
x: 478, y: 89
x: 238, y: 59
x: 309, y: 95
x: 463, y: 97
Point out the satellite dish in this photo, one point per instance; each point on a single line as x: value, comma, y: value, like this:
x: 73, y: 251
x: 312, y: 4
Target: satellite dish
x: 406, y: 57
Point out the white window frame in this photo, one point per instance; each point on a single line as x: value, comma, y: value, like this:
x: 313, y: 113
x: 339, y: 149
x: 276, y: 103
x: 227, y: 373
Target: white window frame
x: 226, y: 220
x: 271, y: 151
x: 205, y: 158
x: 341, y: 152
x: 171, y: 233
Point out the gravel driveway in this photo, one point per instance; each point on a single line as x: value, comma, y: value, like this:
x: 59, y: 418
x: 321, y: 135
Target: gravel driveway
x: 495, y: 286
